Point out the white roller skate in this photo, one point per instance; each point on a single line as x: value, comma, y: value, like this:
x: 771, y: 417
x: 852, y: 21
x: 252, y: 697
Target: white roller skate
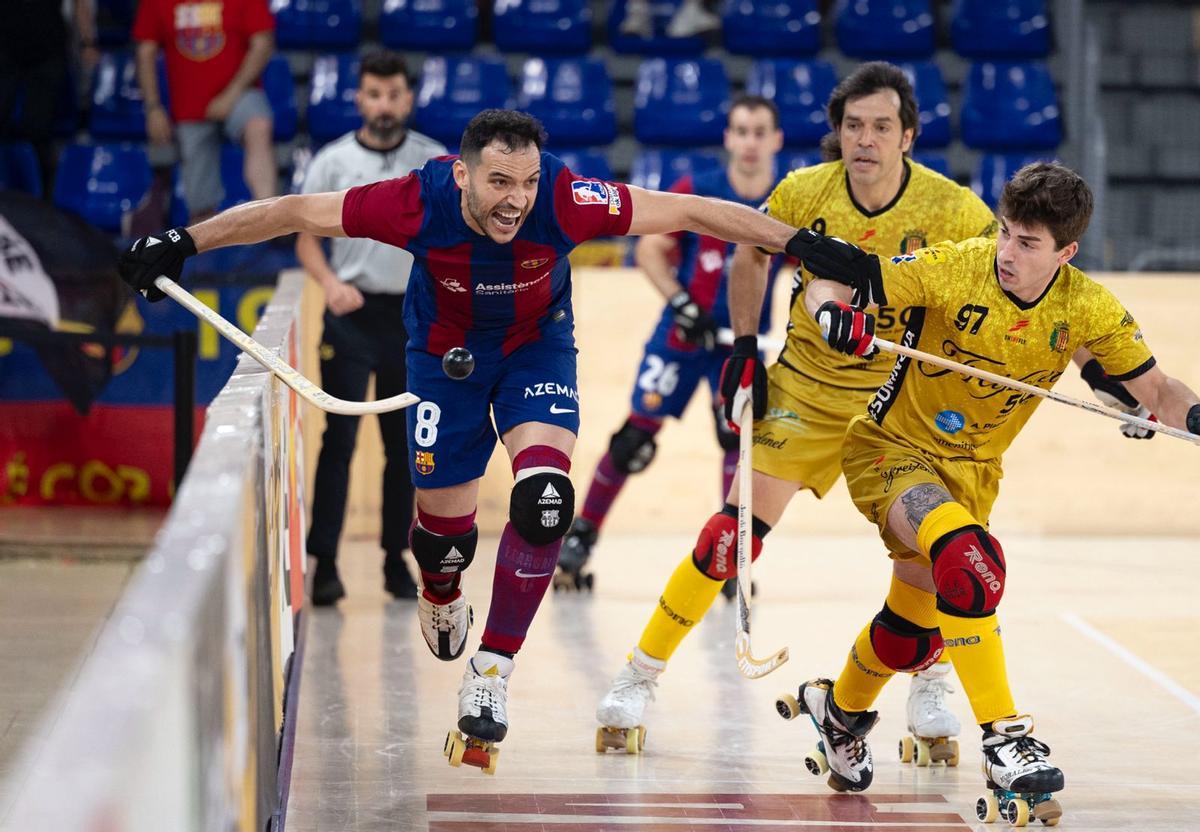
x: 482, y: 713
x: 931, y: 725
x: 842, y: 750
x: 1021, y: 782
x: 620, y: 711
x: 444, y: 623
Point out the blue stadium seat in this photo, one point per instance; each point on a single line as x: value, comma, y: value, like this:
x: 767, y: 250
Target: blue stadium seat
x: 1000, y: 29
x: 885, y: 28
x: 117, y: 112
x: 589, y: 163
x: 799, y: 159
x: 317, y: 24
x: 19, y: 168
x: 800, y: 89
x: 543, y: 27
x: 572, y: 98
x: 114, y: 19
x: 932, y: 102
x: 787, y: 28
x: 281, y: 93
x: 935, y: 161
x: 659, y: 44
x: 102, y: 182
x: 658, y: 170
x: 1009, y: 105
x: 331, y: 110
x: 429, y: 25
x: 994, y: 171
x: 681, y: 101
x: 453, y: 90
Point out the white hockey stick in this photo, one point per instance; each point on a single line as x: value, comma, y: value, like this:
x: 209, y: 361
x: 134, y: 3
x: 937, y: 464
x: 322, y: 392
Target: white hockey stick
x: 765, y: 342
x: 750, y: 667
x: 1091, y: 407
x: 282, y: 370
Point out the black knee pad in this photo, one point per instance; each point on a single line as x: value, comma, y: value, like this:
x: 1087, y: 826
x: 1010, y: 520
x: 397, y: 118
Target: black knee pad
x: 443, y: 554
x: 726, y: 438
x: 632, y: 449
x: 541, y: 506
x: 903, y: 645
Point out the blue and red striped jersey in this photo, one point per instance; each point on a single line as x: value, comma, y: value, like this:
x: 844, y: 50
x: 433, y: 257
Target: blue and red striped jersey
x: 465, y: 289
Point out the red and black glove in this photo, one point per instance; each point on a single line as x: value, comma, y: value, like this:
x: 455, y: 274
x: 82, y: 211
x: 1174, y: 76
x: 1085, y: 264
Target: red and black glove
x: 847, y: 329
x: 743, y: 377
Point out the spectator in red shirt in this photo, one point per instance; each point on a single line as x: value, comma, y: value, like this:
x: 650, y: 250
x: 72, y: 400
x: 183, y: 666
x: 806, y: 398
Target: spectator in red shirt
x: 215, y: 50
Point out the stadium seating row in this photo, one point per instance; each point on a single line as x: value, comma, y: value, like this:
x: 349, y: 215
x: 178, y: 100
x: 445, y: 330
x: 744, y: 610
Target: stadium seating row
x: 900, y: 29
x: 679, y: 101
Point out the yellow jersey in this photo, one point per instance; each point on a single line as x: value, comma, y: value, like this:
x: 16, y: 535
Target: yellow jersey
x: 960, y: 312
x: 928, y: 209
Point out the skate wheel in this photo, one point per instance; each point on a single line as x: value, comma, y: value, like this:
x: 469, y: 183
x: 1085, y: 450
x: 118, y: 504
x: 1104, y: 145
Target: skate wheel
x: 923, y: 756
x: 493, y: 756
x: 787, y: 706
x: 906, y: 749
x: 1049, y: 812
x: 952, y: 760
x: 633, y: 740
x: 816, y: 763
x: 1016, y: 812
x: 987, y: 808
x: 601, y: 747
x: 454, y: 749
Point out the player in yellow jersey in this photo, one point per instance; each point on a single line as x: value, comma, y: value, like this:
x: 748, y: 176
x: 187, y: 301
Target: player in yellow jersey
x: 875, y: 195
x: 923, y: 463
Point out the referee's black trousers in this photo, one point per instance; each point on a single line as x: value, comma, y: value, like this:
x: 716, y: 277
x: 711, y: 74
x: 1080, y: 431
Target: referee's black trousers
x: 369, y: 340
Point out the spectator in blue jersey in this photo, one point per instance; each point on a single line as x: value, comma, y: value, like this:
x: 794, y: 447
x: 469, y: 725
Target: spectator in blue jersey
x: 489, y: 232
x: 690, y: 270
x: 364, y: 284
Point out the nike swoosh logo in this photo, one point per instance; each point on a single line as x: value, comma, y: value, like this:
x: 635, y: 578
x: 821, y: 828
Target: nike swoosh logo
x: 521, y: 574
x: 556, y: 409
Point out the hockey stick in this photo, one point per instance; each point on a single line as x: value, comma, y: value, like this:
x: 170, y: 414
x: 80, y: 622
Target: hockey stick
x: 1091, y: 407
x: 281, y: 369
x: 750, y: 667
x: 765, y: 342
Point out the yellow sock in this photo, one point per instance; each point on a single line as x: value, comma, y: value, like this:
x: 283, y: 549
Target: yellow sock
x: 864, y: 675
x: 688, y: 595
x: 973, y: 644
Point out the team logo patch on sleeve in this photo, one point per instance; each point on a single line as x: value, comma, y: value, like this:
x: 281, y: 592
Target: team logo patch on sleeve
x: 590, y: 192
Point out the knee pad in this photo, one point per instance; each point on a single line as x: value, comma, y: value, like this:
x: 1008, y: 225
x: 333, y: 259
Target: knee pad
x: 716, y: 549
x: 443, y: 554
x: 542, y: 505
x: 632, y: 448
x: 968, y: 571
x: 726, y: 438
x: 901, y: 644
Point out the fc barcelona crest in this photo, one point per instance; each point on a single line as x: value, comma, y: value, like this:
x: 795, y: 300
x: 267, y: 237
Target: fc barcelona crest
x: 424, y: 462
x: 1059, y: 336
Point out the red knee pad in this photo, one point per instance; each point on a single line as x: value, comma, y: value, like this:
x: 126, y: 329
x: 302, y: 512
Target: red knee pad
x: 716, y: 549
x: 901, y: 644
x: 968, y: 571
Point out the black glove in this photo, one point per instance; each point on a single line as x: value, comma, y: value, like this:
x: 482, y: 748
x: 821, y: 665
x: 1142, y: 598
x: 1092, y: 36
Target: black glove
x: 694, y: 324
x: 159, y: 254
x: 847, y: 329
x: 743, y: 376
x: 1112, y: 393
x: 1193, y: 419
x: 833, y: 259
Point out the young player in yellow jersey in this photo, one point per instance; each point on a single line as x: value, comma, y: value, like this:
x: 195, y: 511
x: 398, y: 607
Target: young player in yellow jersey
x: 923, y: 463
x: 872, y: 194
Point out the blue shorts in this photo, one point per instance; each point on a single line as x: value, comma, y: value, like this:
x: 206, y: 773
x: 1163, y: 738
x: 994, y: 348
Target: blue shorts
x: 667, y: 377
x: 451, y: 433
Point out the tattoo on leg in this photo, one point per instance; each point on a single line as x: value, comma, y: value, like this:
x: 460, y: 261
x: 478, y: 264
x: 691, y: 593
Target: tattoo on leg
x: 920, y: 500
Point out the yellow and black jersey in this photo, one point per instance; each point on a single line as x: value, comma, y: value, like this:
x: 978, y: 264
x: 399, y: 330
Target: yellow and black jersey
x: 961, y: 312
x: 928, y: 209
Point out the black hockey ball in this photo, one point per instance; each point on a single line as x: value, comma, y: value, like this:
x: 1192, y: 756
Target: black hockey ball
x: 458, y: 363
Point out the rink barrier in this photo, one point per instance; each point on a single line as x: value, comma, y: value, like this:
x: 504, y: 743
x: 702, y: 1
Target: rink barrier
x: 176, y: 718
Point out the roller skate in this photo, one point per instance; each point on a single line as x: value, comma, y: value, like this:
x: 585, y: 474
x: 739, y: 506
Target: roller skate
x: 482, y: 713
x: 444, y: 623
x: 842, y: 750
x: 576, y: 549
x: 620, y: 711
x: 931, y: 726
x: 1021, y: 783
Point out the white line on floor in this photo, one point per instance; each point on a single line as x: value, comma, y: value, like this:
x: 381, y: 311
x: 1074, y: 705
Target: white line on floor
x: 1129, y: 657
x: 630, y: 820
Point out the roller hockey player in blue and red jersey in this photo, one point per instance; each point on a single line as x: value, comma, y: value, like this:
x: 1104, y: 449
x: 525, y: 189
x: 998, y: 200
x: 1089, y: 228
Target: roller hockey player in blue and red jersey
x: 490, y: 290
x: 691, y: 271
